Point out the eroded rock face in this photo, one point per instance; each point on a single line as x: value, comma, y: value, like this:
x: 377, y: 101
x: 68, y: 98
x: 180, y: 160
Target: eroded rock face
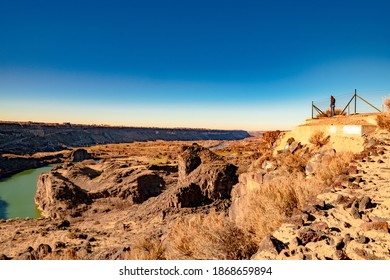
x: 203, y: 177
x: 79, y: 155
x: 70, y: 189
x: 11, y: 165
x: 56, y: 195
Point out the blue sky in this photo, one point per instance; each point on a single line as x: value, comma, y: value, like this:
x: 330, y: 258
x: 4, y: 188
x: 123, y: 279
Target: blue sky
x: 251, y: 65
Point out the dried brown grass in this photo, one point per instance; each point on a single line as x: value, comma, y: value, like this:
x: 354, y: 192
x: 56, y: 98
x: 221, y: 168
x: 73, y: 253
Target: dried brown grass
x: 319, y: 139
x: 383, y: 121
x: 209, y: 237
x: 293, y: 163
x: 275, y: 201
x: 387, y: 103
x: 328, y: 113
x: 215, y: 236
x: 330, y: 167
x: 146, y: 249
x: 269, y: 206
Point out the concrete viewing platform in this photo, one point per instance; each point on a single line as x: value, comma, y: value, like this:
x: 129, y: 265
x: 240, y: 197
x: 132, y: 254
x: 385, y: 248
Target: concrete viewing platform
x: 346, y: 132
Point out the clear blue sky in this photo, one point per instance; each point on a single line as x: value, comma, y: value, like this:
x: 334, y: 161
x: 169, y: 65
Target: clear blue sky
x: 244, y: 64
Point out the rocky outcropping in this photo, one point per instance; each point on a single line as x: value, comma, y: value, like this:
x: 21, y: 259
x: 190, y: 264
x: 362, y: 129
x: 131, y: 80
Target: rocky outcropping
x: 79, y: 155
x: 70, y: 189
x: 203, y: 177
x: 12, y: 164
x: 56, y: 195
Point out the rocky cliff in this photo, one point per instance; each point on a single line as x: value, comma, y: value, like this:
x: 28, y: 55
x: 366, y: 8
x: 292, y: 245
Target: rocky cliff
x: 28, y: 138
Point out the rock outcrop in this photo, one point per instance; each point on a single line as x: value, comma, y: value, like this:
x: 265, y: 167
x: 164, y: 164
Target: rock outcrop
x: 203, y: 177
x: 57, y: 195
x: 69, y: 189
x: 12, y: 164
x: 79, y: 155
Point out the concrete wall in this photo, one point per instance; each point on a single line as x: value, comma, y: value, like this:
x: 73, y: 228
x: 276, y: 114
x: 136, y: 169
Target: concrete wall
x: 343, y: 138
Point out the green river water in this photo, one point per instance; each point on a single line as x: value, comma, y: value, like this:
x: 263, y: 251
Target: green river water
x: 17, y: 194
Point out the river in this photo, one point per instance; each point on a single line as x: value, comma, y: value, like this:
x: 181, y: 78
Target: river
x: 17, y: 194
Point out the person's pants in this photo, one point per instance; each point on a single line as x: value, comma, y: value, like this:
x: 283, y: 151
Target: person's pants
x: 332, y: 107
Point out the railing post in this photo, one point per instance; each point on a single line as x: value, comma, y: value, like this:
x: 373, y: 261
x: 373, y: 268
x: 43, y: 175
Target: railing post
x: 312, y: 110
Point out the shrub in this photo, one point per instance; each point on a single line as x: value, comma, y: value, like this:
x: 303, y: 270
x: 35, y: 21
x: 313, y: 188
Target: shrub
x: 270, y: 137
x: 387, y: 104
x: 146, y: 249
x: 383, y: 121
x: 327, y: 172
x: 209, y: 237
x: 319, y: 139
x: 269, y: 206
x: 293, y: 162
x: 328, y: 113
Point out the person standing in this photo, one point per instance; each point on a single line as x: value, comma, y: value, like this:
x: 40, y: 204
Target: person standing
x: 332, y: 104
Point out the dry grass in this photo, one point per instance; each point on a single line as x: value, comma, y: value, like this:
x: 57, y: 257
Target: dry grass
x: 387, y: 104
x: 146, y: 249
x: 319, y: 139
x: 294, y: 163
x: 383, y: 121
x: 331, y: 166
x: 209, y: 237
x: 269, y: 206
x: 270, y: 138
x: 275, y: 201
x: 328, y: 113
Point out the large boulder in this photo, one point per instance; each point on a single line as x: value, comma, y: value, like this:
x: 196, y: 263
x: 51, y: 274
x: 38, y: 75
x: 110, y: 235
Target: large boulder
x: 203, y: 177
x: 79, y: 155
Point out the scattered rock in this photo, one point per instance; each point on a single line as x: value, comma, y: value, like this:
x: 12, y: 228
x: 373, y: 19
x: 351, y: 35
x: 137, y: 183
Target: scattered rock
x: 352, y: 170
x: 59, y: 245
x: 83, y: 236
x: 339, y: 243
x: 307, y: 235
x: 272, y: 245
x: 42, y: 251
x: 307, y: 217
x: 355, y: 210
x: 64, y: 224
x: 320, y: 226
x: 380, y: 226
x: 362, y: 239
x: 347, y: 238
x: 294, y: 146
x: 365, y: 203
x: 341, y: 255
x: 269, y: 165
x: 4, y: 257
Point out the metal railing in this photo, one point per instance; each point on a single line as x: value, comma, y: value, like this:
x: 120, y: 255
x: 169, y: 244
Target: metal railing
x: 350, y: 106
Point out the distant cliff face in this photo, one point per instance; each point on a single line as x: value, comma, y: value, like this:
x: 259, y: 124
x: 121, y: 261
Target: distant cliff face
x: 28, y: 138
